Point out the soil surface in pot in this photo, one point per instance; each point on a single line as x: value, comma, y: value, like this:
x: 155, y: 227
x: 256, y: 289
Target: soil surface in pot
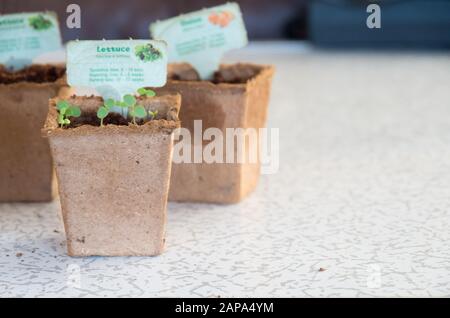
x: 231, y: 74
x: 92, y: 120
x: 166, y: 107
x: 33, y: 74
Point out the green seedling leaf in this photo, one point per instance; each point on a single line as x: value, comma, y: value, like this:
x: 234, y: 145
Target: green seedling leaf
x: 76, y: 111
x: 150, y: 93
x: 140, y: 112
x: 66, y: 110
x: 146, y: 92
x: 62, y: 104
x: 73, y: 111
x: 110, y: 103
x: 142, y: 91
x: 102, y: 112
x: 129, y: 100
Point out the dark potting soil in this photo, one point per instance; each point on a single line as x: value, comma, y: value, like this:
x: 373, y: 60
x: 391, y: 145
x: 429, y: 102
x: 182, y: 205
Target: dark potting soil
x: 92, y: 120
x: 233, y: 77
x: 32, y: 74
x: 231, y: 74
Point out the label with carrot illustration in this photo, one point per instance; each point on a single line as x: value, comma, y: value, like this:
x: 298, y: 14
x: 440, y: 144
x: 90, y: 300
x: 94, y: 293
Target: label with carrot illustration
x: 202, y: 37
x: 26, y: 36
x: 221, y: 18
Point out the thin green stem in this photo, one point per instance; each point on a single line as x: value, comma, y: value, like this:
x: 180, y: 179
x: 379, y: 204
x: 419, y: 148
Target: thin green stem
x: 134, y: 116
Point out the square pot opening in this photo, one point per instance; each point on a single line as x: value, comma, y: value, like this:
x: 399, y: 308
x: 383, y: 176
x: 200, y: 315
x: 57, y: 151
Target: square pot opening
x: 37, y: 73
x: 239, y: 73
x: 167, y: 108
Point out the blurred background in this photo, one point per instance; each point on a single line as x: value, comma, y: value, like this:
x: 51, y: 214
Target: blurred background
x: 405, y: 23
x: 364, y: 178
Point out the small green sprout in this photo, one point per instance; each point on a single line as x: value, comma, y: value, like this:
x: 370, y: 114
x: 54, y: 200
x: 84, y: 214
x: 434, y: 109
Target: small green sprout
x: 104, y: 110
x: 153, y: 113
x: 134, y: 110
x: 129, y: 101
x: 146, y: 92
x: 65, y: 110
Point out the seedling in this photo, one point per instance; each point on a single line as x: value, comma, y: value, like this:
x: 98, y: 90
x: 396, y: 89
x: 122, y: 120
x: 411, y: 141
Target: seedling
x: 134, y: 110
x: 104, y: 110
x: 146, y: 92
x: 65, y: 110
x: 153, y: 113
x: 129, y: 101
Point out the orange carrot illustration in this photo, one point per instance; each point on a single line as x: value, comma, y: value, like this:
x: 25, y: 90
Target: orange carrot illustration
x: 222, y: 18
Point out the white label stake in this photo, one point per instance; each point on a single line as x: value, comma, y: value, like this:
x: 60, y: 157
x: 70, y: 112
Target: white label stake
x: 25, y: 36
x: 117, y: 67
x: 202, y: 37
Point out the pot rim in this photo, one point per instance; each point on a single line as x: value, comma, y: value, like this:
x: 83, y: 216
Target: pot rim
x: 265, y: 70
x: 166, y: 125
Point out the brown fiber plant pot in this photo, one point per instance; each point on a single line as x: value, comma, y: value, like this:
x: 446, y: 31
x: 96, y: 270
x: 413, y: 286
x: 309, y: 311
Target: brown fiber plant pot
x: 113, y: 180
x: 26, y: 172
x: 238, y: 97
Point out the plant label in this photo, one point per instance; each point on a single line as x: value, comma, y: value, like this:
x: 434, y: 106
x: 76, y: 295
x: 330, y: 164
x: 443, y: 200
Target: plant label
x: 202, y: 37
x: 117, y: 67
x: 25, y: 36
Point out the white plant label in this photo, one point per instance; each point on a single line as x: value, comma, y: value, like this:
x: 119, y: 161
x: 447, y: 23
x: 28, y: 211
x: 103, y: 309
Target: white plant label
x: 202, y: 37
x: 25, y: 36
x: 117, y: 67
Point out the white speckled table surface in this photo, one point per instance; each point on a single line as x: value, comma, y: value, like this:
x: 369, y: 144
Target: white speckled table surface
x: 363, y: 191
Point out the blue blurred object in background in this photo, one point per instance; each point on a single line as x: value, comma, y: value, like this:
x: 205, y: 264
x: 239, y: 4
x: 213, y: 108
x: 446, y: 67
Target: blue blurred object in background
x: 404, y: 24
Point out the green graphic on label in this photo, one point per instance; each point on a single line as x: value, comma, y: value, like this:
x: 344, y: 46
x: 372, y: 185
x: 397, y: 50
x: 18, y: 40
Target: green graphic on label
x: 40, y: 22
x: 202, y: 37
x: 147, y: 52
x: 25, y: 36
x: 118, y: 67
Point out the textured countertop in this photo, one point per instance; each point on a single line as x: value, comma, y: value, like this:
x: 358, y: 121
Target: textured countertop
x: 363, y: 192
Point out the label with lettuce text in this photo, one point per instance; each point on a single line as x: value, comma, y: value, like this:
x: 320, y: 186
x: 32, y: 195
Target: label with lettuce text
x: 202, y: 37
x: 25, y: 36
x: 117, y: 67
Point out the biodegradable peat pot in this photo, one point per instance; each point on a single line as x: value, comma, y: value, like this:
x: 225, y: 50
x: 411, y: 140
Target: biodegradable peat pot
x: 238, y: 97
x: 26, y: 172
x: 113, y: 180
